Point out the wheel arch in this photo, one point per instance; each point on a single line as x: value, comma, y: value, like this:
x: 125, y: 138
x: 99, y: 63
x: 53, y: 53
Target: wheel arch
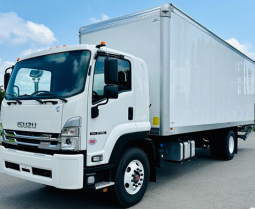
x: 139, y: 140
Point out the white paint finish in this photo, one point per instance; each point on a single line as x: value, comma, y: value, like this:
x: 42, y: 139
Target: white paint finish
x: 45, y: 116
x: 143, y: 126
x: 70, y: 172
x: 114, y: 135
x: 141, y: 89
x: 65, y: 173
x: 141, y: 38
x: 112, y: 114
x: 209, y: 83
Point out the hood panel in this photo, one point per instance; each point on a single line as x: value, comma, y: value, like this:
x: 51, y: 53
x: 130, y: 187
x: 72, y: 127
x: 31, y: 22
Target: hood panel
x: 45, y: 116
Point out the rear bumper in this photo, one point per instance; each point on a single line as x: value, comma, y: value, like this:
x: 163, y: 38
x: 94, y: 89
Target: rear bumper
x: 58, y: 170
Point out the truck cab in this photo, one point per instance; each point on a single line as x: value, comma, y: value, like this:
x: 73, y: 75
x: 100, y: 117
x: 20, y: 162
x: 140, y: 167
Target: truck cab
x: 69, y: 112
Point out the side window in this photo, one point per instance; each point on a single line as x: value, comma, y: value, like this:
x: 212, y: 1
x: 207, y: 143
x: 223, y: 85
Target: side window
x: 124, y: 77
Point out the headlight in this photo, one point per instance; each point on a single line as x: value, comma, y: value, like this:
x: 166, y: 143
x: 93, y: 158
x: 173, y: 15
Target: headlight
x: 70, y: 134
x: 72, y: 131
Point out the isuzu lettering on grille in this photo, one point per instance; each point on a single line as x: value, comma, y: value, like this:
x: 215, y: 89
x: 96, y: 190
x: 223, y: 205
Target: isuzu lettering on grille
x: 26, y: 125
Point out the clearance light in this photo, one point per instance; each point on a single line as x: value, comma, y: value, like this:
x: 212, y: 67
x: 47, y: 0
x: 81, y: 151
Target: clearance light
x: 50, y: 48
x: 64, y: 45
x: 102, y: 43
x: 18, y: 59
x: 57, y: 46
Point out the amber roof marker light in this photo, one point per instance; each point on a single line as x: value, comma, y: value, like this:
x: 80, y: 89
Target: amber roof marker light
x: 100, y: 45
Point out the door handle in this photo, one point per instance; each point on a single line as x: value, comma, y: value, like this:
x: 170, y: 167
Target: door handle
x: 130, y: 113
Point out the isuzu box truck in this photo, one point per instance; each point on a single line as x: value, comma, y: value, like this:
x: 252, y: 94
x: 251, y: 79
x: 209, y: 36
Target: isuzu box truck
x: 109, y: 113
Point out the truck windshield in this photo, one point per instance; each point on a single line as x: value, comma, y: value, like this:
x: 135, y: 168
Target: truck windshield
x: 61, y: 74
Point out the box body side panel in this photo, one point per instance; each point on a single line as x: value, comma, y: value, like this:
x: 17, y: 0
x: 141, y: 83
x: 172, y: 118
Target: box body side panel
x: 211, y: 86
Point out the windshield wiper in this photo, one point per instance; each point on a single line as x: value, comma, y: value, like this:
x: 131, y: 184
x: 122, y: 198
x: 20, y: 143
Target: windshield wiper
x: 14, y: 97
x: 47, y: 93
x: 26, y: 95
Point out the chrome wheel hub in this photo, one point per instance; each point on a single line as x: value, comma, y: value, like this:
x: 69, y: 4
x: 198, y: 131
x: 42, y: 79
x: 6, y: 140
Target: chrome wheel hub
x: 133, y: 177
x: 231, y: 144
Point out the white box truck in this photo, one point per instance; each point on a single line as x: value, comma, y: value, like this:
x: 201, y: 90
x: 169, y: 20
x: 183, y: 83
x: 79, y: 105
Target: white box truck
x: 97, y: 115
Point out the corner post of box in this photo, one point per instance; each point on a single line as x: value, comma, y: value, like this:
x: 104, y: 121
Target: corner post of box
x: 165, y: 15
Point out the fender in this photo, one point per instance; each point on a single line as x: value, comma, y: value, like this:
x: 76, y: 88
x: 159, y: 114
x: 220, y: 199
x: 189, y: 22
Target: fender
x: 140, y: 140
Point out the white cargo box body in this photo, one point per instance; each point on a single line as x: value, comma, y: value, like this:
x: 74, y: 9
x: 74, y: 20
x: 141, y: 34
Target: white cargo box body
x: 197, y: 81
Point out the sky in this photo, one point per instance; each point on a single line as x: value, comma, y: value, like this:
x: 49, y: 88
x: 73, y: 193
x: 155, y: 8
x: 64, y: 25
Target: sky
x: 32, y: 25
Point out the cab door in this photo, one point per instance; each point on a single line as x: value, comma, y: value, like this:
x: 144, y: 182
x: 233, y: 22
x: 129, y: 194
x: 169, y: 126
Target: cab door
x: 112, y: 114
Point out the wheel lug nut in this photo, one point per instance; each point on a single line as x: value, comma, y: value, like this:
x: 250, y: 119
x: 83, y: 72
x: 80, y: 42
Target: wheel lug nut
x: 141, y: 179
x: 141, y: 174
x: 139, y: 183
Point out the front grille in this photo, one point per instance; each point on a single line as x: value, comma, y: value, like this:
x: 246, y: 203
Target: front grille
x: 35, y: 134
x: 36, y: 140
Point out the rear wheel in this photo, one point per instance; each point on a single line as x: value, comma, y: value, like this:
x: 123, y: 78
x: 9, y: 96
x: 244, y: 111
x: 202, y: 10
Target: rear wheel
x: 228, y: 145
x: 224, y: 146
x: 132, y: 177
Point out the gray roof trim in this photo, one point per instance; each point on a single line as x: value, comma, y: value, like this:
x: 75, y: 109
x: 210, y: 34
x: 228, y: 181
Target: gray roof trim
x: 126, y: 19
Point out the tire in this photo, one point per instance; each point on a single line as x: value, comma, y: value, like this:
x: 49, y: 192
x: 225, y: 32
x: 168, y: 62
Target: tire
x: 132, y: 177
x: 222, y: 145
x: 228, y: 145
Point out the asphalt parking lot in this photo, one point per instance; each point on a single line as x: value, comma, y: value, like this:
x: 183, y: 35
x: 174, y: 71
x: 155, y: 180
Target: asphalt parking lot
x: 201, y: 183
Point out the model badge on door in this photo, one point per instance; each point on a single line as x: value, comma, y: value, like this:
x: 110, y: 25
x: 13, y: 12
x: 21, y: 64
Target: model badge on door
x: 92, y: 141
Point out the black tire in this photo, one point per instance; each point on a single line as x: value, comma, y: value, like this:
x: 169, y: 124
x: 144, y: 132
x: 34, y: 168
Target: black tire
x: 228, y: 145
x: 222, y: 145
x: 121, y: 190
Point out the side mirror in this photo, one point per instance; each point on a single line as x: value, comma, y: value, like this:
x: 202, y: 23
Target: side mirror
x: 111, y: 91
x: 111, y: 71
x: 7, y: 77
x: 6, y: 80
x: 111, y: 88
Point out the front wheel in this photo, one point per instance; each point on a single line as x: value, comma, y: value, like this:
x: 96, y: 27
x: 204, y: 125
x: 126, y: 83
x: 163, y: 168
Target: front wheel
x: 132, y: 177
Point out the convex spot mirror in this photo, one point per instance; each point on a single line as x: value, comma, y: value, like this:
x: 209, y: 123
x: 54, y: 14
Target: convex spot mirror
x: 111, y: 91
x: 36, y: 73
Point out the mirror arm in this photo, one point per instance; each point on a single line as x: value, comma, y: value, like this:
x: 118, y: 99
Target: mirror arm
x: 101, y: 104
x: 95, y: 110
x: 9, y: 68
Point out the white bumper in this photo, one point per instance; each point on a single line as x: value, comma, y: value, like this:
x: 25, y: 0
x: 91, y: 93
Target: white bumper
x: 66, y: 170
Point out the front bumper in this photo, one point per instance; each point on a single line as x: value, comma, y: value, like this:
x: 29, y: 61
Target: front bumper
x: 58, y: 170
